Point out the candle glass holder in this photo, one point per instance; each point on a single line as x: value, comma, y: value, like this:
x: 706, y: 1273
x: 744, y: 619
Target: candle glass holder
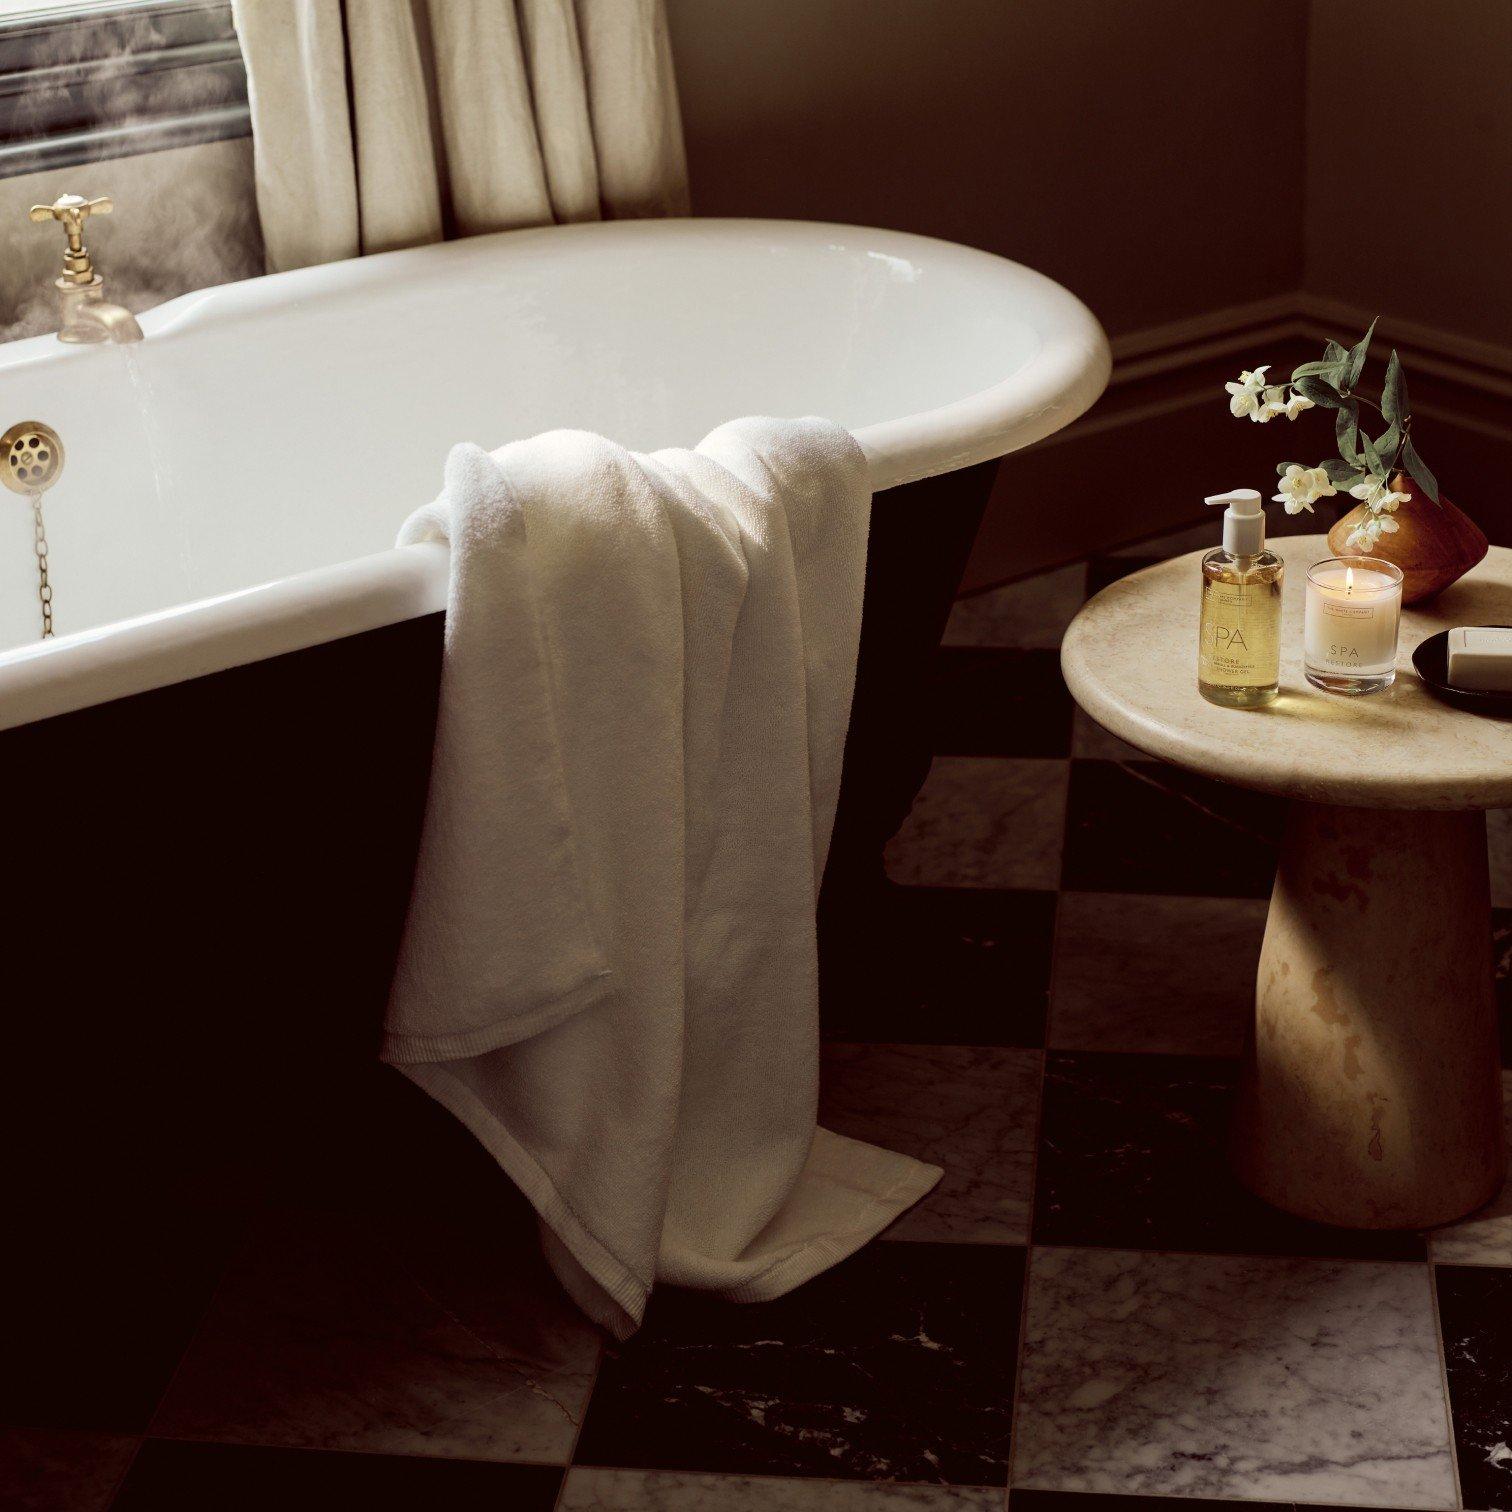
x: 1350, y: 625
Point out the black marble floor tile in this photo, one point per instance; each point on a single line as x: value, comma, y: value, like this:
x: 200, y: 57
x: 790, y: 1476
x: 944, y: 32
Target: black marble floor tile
x: 1501, y: 956
x: 1475, y: 1314
x: 112, y: 1298
x: 990, y: 702
x: 1132, y: 1156
x: 940, y: 966
x: 185, y: 1477
x: 897, y: 1364
x: 387, y: 1148
x: 52, y: 1470
x: 1108, y: 569
x: 1145, y: 827
x: 402, y: 1336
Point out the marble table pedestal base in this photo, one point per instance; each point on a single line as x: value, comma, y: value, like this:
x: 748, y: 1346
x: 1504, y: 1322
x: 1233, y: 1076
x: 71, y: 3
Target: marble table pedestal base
x: 1370, y: 1096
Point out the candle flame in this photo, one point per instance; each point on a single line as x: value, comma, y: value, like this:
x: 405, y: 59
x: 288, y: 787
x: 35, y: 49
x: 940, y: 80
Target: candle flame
x: 1349, y: 580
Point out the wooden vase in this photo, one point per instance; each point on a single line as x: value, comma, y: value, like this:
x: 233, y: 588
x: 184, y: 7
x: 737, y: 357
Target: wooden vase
x: 1433, y: 544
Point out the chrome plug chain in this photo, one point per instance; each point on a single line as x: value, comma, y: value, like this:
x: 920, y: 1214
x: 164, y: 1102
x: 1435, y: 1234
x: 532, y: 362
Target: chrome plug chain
x: 44, y: 588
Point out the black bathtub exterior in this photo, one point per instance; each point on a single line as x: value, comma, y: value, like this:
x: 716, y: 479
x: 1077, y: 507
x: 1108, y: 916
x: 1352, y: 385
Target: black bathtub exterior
x: 207, y: 882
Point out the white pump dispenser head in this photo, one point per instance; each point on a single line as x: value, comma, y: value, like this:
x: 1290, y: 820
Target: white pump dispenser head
x: 1243, y: 521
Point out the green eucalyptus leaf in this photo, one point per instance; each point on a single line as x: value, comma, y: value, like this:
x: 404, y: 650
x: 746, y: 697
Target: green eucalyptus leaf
x: 1347, y: 432
x: 1386, y: 443
x: 1342, y: 474
x: 1372, y: 456
x: 1357, y: 356
x: 1333, y: 352
x: 1420, y: 473
x: 1394, y: 395
x: 1319, y: 392
x: 1329, y: 372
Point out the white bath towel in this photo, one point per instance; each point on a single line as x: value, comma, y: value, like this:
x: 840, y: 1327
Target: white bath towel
x: 499, y: 940
x: 620, y: 937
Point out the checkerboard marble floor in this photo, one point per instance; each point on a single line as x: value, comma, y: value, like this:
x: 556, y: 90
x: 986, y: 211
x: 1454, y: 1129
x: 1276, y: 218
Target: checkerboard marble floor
x: 1086, y: 1316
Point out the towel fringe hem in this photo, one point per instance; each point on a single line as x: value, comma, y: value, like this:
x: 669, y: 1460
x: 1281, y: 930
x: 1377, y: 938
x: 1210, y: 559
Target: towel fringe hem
x: 595, y: 1278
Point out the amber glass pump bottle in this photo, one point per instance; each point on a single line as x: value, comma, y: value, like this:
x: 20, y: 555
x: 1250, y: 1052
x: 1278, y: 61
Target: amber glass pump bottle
x: 1239, y: 646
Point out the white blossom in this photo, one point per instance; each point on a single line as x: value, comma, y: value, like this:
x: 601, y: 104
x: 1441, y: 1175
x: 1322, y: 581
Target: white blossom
x: 1301, y: 486
x: 1365, y: 535
x: 1244, y: 396
x: 1245, y: 401
x: 1380, y: 498
x: 1296, y: 404
x: 1272, y: 403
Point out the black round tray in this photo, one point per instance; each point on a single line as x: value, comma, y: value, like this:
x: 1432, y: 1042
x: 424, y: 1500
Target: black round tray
x: 1432, y: 662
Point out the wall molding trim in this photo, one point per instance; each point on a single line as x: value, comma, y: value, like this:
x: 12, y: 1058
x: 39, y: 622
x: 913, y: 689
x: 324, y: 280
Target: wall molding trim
x: 1474, y: 364
x: 1171, y: 377
x: 1239, y: 328
x: 1179, y: 344
x: 1163, y: 369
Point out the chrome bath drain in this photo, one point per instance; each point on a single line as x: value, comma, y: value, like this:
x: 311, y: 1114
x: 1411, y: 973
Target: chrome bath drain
x: 31, y: 460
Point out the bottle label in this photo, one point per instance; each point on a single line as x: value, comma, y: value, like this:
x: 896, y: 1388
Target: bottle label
x: 1235, y: 648
x: 1230, y: 648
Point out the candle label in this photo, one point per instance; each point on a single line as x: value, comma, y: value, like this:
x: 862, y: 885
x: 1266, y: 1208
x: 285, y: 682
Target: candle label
x: 1350, y: 635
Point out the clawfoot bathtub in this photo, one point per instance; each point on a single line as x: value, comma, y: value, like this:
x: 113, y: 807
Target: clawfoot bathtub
x: 214, y: 775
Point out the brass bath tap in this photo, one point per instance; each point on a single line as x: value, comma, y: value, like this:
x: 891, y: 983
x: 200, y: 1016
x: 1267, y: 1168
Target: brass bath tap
x: 85, y: 314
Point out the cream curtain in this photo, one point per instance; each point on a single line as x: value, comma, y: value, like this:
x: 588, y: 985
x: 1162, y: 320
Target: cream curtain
x: 389, y: 123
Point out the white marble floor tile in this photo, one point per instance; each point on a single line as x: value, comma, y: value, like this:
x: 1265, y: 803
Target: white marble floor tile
x: 1090, y: 741
x: 984, y: 821
x: 1031, y: 614
x: 1202, y: 1375
x: 592, y: 1490
x: 1484, y: 1238
x: 1154, y: 974
x: 970, y: 1109
x: 1499, y: 845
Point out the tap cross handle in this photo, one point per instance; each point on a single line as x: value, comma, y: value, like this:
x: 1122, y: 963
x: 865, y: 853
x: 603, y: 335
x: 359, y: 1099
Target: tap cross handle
x: 71, y: 211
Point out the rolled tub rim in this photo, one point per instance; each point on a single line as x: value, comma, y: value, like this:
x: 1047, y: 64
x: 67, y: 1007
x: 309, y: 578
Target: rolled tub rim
x: 1061, y: 379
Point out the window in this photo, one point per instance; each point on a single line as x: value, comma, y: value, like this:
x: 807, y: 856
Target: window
x: 91, y: 79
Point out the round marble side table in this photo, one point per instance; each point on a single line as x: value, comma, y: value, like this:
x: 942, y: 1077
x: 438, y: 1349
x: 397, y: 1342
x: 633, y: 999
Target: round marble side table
x: 1370, y: 1095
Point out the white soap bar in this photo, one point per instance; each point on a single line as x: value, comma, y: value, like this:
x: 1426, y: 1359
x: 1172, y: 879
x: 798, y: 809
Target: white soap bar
x: 1480, y: 658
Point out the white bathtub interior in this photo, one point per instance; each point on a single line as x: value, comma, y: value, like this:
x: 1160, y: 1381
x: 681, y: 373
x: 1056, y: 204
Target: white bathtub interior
x: 267, y: 428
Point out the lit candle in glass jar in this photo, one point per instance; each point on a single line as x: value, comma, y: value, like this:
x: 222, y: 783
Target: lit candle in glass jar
x: 1349, y: 629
